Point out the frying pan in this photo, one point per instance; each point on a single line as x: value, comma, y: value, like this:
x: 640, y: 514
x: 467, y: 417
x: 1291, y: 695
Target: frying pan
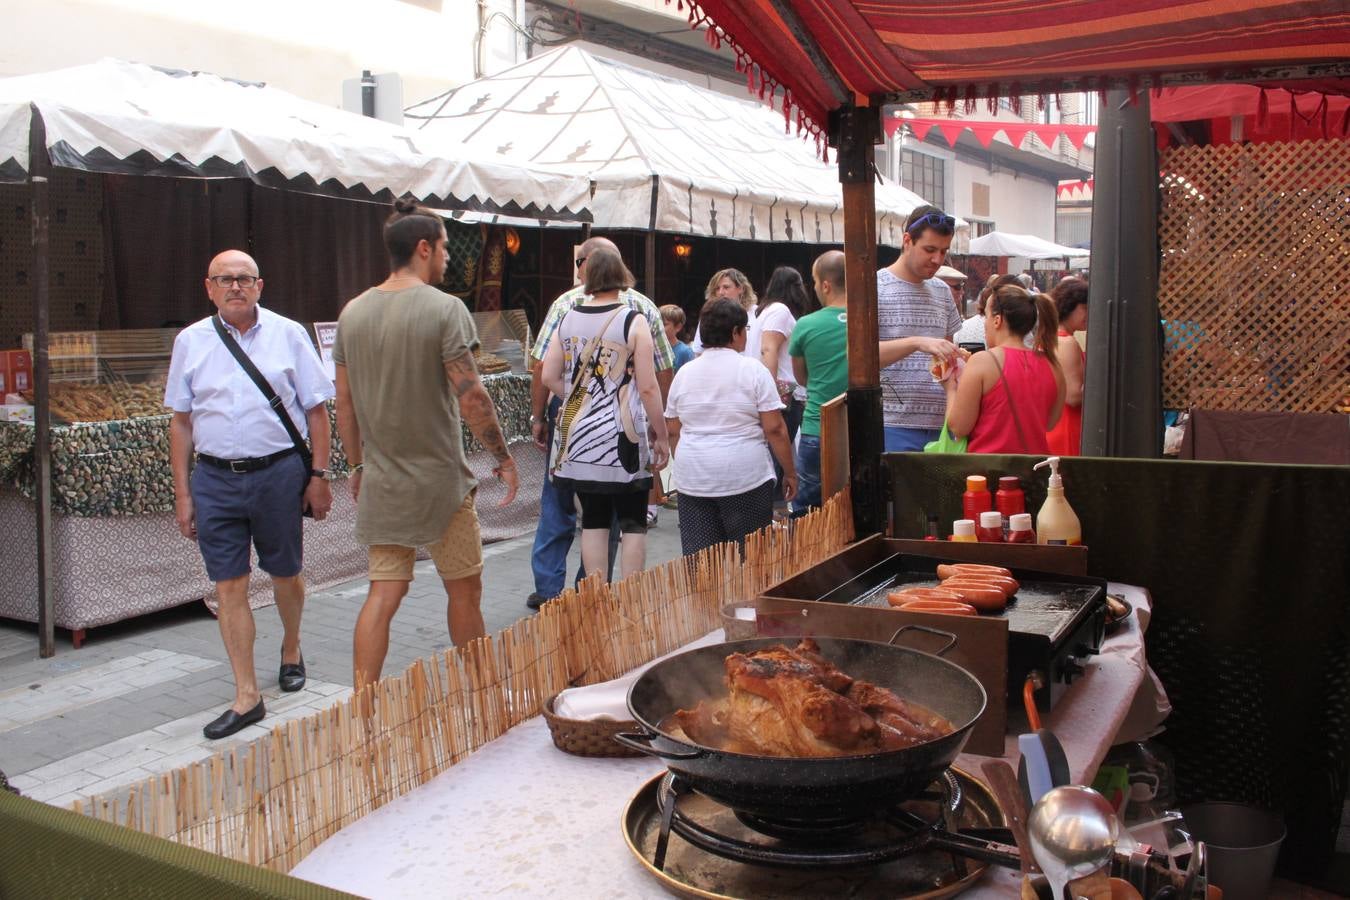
x: 807, y: 789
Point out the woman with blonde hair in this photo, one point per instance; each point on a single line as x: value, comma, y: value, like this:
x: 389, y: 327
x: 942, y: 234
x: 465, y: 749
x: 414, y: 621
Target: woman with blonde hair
x: 1009, y: 396
x: 732, y: 285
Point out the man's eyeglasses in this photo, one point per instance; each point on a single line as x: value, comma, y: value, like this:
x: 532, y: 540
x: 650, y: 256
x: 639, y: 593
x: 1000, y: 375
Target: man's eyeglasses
x: 244, y: 281
x: 580, y: 261
x: 937, y: 221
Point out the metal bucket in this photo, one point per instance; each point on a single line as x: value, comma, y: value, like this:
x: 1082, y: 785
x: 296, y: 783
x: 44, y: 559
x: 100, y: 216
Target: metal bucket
x: 1243, y: 843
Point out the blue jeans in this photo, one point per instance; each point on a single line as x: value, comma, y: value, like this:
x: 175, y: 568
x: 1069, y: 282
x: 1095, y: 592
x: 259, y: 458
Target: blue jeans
x: 557, y: 526
x: 808, y: 474
x: 901, y: 440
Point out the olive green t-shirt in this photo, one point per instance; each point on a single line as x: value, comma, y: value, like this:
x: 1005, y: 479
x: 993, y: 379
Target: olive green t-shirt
x: 394, y: 345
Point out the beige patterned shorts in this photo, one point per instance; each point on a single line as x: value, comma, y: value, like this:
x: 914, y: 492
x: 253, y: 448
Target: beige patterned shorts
x: 458, y: 553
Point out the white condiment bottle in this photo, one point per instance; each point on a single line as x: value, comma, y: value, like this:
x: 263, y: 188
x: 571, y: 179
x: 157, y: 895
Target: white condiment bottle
x: 1056, y: 523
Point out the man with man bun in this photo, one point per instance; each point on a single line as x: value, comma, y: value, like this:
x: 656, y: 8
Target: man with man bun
x: 405, y: 377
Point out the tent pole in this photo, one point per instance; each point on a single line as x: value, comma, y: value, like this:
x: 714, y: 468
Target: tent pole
x: 649, y: 262
x: 855, y: 131
x: 1122, y: 405
x: 39, y: 168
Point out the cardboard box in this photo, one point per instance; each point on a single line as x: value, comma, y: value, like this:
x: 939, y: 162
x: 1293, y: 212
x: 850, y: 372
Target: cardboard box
x: 16, y: 371
x: 16, y: 412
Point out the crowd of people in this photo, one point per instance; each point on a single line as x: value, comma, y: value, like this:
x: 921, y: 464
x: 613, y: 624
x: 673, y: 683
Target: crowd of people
x: 616, y: 397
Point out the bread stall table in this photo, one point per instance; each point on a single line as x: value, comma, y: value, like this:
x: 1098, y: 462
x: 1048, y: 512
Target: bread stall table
x: 116, y: 551
x: 519, y: 818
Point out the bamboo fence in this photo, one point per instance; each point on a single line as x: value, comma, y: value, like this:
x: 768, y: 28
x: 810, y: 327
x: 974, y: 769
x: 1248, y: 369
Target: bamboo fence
x: 271, y: 802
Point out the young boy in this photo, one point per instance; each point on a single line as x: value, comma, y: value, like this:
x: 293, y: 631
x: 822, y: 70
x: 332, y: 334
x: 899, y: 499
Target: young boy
x: 672, y: 317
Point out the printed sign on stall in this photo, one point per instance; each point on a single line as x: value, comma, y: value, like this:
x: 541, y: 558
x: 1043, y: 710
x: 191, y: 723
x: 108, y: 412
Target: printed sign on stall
x: 325, y: 333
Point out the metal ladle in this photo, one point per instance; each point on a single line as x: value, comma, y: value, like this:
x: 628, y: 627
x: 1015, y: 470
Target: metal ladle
x: 1073, y: 833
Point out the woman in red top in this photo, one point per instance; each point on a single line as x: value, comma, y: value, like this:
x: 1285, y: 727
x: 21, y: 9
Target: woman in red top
x: 1008, y: 397
x: 1071, y: 302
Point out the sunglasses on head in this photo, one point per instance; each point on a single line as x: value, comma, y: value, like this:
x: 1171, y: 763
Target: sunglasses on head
x: 937, y: 221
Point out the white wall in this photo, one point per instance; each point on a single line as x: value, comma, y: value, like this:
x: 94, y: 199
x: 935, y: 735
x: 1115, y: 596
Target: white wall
x: 306, y: 47
x: 1020, y: 204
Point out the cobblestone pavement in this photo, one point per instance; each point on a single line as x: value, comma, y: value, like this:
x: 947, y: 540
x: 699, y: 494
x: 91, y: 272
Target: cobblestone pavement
x: 132, y: 701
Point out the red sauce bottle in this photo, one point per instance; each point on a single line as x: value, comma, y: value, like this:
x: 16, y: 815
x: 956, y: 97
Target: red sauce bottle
x: 990, y: 530
x: 1010, y: 500
x: 977, y: 498
x: 1019, y: 529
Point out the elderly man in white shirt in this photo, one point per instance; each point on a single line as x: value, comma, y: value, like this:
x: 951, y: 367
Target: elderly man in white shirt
x: 724, y: 417
x: 251, y: 482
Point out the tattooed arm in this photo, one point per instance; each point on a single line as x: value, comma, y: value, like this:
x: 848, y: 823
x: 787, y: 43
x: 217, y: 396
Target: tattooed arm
x: 481, y: 416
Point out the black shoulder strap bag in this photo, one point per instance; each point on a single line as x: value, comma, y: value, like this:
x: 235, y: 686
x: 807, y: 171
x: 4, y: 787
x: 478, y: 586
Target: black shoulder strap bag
x: 273, y: 400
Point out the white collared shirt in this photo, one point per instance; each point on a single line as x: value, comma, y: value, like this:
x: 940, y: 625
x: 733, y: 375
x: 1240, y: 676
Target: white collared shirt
x: 230, y: 416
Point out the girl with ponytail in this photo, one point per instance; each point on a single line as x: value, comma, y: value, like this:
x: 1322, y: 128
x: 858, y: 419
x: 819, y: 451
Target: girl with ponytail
x: 1008, y: 396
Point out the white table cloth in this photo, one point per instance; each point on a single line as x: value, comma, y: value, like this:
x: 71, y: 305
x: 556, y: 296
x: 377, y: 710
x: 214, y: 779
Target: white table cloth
x: 521, y: 819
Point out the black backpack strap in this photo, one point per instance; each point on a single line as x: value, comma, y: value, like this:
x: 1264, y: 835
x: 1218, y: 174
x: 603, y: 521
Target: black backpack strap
x: 273, y: 400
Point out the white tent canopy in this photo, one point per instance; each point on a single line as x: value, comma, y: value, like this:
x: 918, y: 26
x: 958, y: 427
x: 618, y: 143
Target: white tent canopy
x: 115, y: 116
x: 1026, y: 246
x: 663, y: 154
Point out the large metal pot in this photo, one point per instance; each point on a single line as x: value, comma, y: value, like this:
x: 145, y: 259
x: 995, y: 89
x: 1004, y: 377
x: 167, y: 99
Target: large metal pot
x: 807, y: 789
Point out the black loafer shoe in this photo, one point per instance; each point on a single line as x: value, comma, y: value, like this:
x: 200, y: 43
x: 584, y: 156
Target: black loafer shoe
x: 534, y: 601
x: 228, y: 722
x: 292, y: 676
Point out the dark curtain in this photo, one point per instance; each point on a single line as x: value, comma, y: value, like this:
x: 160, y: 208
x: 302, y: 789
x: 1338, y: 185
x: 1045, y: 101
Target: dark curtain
x: 159, y: 237
x: 316, y: 253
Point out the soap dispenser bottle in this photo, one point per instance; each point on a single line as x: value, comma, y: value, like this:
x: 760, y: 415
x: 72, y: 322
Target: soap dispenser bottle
x: 1056, y: 523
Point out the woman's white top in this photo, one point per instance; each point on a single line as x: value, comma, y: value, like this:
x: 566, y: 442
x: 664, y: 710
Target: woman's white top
x: 776, y: 317
x: 718, y: 398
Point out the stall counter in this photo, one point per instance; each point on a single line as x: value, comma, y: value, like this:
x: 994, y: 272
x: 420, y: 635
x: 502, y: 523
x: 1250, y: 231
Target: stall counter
x: 520, y: 818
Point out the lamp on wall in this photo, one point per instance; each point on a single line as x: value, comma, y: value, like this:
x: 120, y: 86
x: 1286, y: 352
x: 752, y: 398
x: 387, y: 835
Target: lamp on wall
x: 683, y: 251
x: 512, y: 241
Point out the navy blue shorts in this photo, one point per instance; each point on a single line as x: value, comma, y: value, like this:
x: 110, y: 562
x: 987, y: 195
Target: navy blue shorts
x: 261, y: 508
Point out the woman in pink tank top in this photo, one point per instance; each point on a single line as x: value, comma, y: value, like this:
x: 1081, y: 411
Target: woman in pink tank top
x: 1008, y: 397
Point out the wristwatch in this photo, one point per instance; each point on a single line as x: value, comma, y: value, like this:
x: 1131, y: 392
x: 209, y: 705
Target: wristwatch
x: 321, y: 473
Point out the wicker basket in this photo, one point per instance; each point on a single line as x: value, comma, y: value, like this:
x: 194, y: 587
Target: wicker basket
x: 583, y: 737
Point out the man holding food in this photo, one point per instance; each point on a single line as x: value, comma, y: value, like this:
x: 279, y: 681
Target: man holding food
x: 916, y: 320
x: 252, y: 482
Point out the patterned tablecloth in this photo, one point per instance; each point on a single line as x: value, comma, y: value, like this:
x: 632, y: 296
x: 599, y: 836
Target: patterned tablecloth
x: 121, y: 468
x: 110, y: 568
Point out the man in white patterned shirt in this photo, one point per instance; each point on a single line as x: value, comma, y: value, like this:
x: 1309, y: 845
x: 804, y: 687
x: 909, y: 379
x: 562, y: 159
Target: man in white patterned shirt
x: 915, y: 307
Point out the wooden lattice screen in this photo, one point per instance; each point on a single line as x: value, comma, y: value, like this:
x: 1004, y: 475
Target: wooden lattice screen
x: 1254, y: 288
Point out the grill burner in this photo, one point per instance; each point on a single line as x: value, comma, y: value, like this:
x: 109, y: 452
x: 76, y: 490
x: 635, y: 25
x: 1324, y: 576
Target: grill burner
x: 939, y: 840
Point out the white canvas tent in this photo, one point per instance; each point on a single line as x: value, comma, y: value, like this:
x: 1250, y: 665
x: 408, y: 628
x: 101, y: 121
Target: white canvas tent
x: 115, y: 116
x: 1025, y: 246
x: 663, y: 154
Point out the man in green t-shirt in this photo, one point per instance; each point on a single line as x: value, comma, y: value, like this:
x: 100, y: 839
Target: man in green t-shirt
x: 819, y: 351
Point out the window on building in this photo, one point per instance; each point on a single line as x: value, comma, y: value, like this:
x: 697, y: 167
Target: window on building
x: 1088, y: 103
x: 979, y: 228
x: 924, y: 175
x: 1052, y: 114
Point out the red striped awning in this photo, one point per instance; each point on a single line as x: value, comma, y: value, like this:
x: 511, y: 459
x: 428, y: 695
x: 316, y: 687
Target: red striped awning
x: 818, y: 55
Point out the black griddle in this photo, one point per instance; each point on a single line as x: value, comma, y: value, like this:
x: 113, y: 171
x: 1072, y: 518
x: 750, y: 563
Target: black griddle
x: 1054, y: 621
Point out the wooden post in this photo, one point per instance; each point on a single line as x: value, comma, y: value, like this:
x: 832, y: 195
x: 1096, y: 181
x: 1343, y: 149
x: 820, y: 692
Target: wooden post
x: 38, y: 168
x: 855, y: 131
